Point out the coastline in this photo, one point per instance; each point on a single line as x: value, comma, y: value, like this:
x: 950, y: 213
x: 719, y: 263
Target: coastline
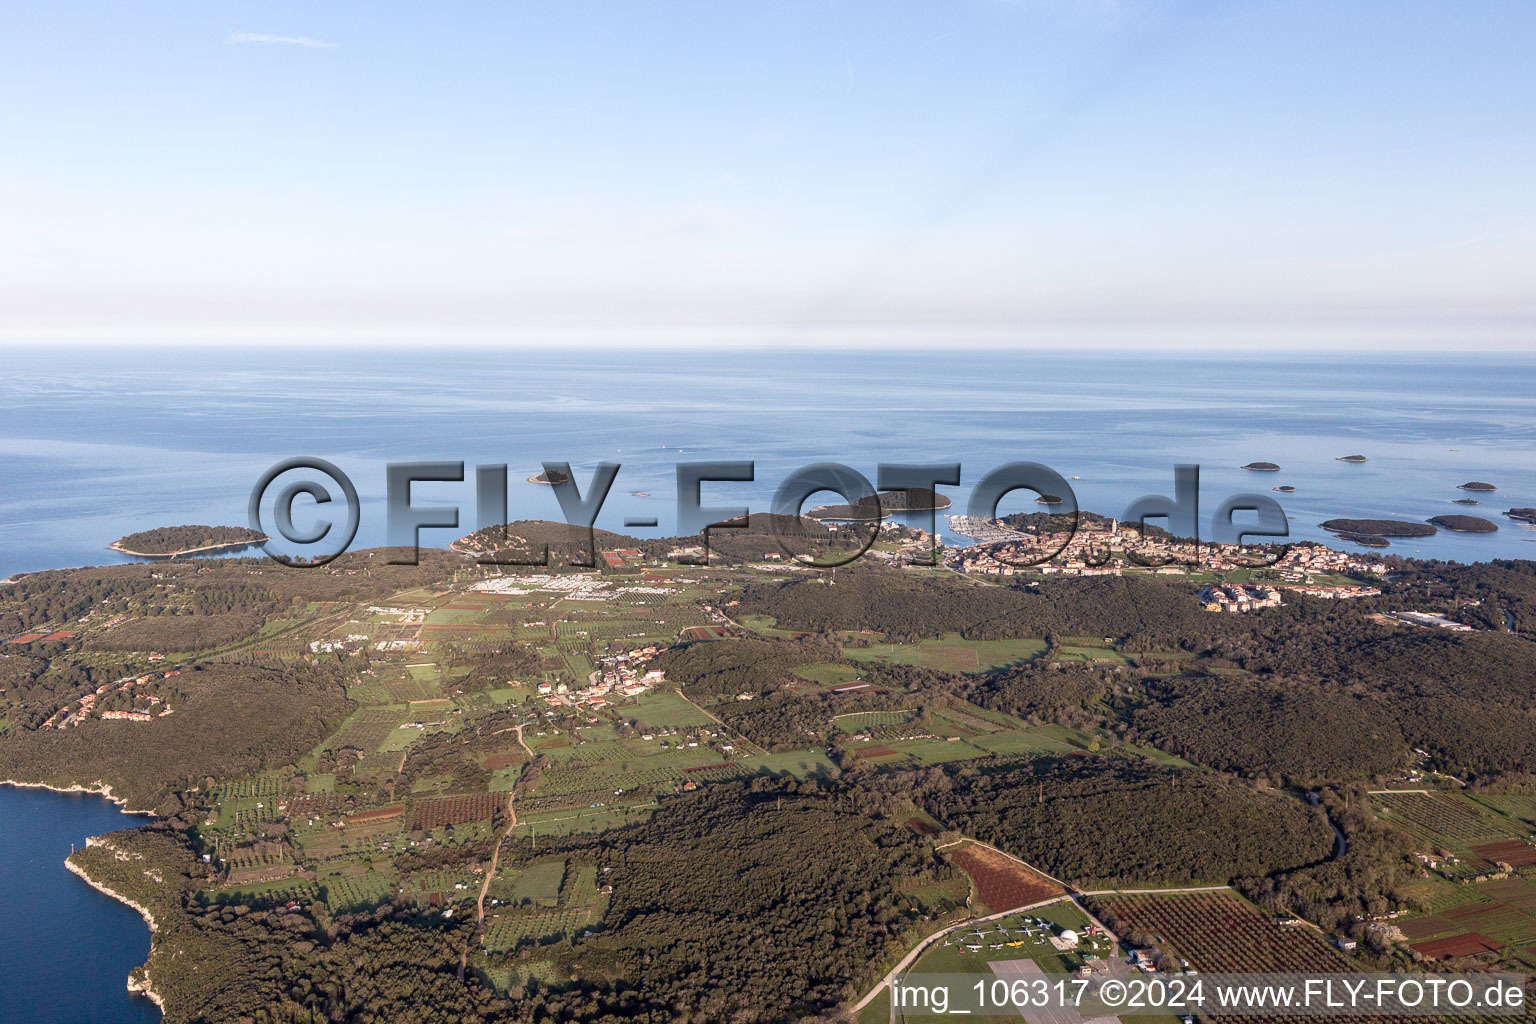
x: 97, y: 788
x: 144, y: 987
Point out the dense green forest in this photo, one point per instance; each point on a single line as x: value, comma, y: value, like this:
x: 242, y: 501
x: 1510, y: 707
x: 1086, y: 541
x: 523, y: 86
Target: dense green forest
x: 729, y: 666
x: 1141, y: 611
x: 234, y: 720
x: 1113, y: 820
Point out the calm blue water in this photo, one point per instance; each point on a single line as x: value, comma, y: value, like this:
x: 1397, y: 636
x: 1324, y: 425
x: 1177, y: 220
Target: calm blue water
x: 95, y: 444
x: 65, y: 949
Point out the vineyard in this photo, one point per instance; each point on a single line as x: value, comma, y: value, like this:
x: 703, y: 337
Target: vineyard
x: 365, y: 731
x: 1432, y: 895
x: 268, y: 894
x: 1002, y: 883
x: 262, y: 786
x: 358, y: 892
x: 581, y: 906
x: 453, y: 810
x: 1502, y: 915
x: 1522, y: 807
x: 1217, y: 931
x: 508, y: 932
x: 1440, y: 819
x: 257, y: 855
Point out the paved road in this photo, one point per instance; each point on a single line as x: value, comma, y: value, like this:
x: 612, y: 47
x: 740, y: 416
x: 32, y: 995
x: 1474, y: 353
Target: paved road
x: 922, y: 947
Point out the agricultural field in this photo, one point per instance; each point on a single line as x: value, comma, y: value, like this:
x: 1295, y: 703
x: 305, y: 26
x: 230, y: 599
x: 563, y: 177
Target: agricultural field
x: 583, y: 822
x: 1045, y: 739
x: 508, y: 931
x: 860, y: 721
x: 955, y: 655
x: 766, y: 626
x: 1478, y: 839
x: 1000, y: 882
x: 798, y: 763
x: 539, y: 883
x: 435, y: 812
x: 358, y: 891
x: 667, y: 709
x: 1521, y: 808
x: 366, y: 731
x: 1221, y: 932
x: 1091, y: 655
x: 1494, y: 917
x: 265, y: 893
x: 937, y: 751
x: 1433, y: 894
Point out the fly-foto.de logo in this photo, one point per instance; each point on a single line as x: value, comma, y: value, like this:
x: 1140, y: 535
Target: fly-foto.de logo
x: 909, y: 490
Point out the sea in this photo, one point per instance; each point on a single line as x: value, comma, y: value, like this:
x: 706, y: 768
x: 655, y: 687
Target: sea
x: 98, y: 443
x: 65, y: 949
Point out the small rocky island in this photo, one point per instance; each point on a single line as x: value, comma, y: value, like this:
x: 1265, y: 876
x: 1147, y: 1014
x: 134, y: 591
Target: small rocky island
x: 1262, y: 467
x: 1524, y: 515
x: 1048, y: 499
x: 1351, y: 458
x: 1465, y: 524
x: 177, y: 541
x: 1464, y: 501
x: 1477, y: 485
x: 1286, y: 489
x: 556, y: 477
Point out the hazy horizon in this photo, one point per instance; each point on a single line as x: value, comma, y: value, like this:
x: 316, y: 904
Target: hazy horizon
x: 1088, y: 173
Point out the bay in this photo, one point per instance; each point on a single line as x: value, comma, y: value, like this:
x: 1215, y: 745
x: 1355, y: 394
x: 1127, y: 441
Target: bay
x: 65, y: 949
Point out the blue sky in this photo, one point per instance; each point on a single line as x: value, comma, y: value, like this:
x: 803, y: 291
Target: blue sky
x: 1116, y: 172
